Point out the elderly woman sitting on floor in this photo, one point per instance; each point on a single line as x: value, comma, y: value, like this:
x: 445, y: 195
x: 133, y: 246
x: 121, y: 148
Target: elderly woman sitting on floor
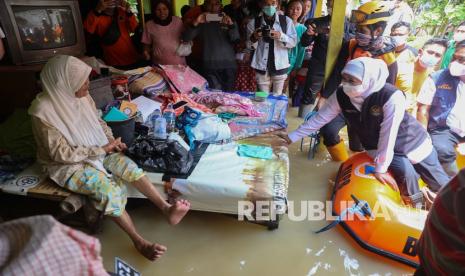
x: 78, y: 150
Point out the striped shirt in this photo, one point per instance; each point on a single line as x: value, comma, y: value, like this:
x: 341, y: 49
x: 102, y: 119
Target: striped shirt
x: 442, y: 244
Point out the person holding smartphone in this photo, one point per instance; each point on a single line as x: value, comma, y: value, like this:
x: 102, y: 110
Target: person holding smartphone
x: 115, y: 40
x: 217, y: 33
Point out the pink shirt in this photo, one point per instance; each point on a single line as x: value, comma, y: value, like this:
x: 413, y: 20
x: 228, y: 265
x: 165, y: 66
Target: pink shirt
x: 164, y: 41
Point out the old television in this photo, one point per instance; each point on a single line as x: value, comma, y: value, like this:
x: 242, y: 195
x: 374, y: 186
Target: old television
x: 36, y: 30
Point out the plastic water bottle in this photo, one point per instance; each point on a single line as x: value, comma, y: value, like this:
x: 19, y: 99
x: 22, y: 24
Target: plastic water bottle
x: 153, y: 117
x: 159, y: 128
x: 170, y: 118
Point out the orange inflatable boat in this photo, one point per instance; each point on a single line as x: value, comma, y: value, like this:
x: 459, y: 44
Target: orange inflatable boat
x: 384, y: 224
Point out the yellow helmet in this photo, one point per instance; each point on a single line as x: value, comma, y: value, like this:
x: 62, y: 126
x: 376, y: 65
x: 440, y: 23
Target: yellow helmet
x: 370, y: 13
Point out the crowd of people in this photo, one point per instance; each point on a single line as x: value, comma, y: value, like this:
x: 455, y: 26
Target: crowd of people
x: 404, y: 108
x: 400, y: 104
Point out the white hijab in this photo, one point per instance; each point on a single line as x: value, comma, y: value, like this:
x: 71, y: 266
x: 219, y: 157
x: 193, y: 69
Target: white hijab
x: 75, y: 118
x: 373, y: 74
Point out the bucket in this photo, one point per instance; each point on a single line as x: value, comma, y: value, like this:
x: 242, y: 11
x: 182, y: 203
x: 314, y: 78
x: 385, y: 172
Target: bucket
x: 124, y: 129
x: 120, y: 89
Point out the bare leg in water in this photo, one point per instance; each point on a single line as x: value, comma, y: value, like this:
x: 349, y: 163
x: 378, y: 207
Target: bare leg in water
x: 151, y: 251
x: 174, y: 213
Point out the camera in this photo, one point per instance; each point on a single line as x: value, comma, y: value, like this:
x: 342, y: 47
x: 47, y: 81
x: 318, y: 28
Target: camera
x: 320, y: 25
x: 265, y: 29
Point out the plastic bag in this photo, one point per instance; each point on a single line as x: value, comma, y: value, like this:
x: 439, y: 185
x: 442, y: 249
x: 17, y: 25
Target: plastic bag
x: 202, y: 127
x: 210, y: 129
x: 184, y: 49
x: 161, y: 155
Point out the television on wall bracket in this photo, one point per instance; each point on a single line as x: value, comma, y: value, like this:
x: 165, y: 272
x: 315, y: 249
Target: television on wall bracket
x: 36, y: 30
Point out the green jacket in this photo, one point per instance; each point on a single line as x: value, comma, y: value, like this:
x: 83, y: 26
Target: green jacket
x: 448, y: 55
x: 297, y: 54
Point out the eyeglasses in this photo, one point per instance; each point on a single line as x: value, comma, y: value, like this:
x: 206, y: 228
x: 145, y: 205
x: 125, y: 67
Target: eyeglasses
x: 360, y: 17
x: 433, y: 53
x: 460, y: 59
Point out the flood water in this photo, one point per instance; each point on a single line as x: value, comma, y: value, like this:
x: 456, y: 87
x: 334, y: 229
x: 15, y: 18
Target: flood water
x: 216, y: 244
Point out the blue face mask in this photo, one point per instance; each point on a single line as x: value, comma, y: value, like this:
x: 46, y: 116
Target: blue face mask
x: 269, y: 10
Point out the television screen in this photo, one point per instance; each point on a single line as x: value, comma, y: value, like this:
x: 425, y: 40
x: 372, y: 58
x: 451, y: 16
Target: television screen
x: 42, y: 28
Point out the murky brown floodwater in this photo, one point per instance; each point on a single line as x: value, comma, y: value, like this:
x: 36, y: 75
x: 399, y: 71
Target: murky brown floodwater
x: 215, y: 244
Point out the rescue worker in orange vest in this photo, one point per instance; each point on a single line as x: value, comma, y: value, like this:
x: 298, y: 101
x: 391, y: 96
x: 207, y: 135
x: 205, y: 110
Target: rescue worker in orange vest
x: 370, y: 19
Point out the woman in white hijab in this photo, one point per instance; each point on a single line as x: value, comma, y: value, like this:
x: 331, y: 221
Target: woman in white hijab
x: 77, y: 149
x: 396, y: 141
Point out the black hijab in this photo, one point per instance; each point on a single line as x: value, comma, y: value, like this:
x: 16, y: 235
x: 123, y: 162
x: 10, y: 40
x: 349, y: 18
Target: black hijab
x: 157, y: 20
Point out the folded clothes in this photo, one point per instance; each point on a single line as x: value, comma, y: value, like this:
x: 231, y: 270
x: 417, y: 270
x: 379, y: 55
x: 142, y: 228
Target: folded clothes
x: 6, y: 176
x: 11, y: 165
x: 226, y: 102
x: 273, y: 117
x: 227, y: 116
x: 262, y: 152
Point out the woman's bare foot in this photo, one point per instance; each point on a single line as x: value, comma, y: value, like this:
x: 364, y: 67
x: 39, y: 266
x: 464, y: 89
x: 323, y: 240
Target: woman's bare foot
x: 151, y: 251
x: 177, y: 211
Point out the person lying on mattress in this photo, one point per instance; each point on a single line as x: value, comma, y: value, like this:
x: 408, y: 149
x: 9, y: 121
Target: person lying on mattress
x: 395, y: 140
x: 78, y: 151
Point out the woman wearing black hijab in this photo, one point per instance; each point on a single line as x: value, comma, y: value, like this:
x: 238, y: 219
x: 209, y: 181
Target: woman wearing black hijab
x: 162, y: 35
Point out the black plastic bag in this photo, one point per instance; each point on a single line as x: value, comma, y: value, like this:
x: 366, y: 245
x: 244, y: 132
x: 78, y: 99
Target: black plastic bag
x: 160, y: 155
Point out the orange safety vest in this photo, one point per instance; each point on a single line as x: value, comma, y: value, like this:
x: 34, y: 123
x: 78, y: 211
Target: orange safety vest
x: 356, y: 52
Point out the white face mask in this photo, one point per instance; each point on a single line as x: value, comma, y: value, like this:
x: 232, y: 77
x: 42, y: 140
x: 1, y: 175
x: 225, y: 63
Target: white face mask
x: 399, y: 40
x: 428, y: 60
x: 457, y: 69
x: 459, y: 37
x: 353, y: 91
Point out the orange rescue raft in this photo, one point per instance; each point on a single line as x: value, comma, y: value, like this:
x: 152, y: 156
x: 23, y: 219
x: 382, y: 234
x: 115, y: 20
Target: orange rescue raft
x: 394, y: 229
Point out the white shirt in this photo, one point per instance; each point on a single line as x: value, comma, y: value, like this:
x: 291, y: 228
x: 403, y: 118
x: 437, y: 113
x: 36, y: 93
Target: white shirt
x: 288, y: 40
x: 393, y: 111
x: 456, y: 118
x: 2, y: 34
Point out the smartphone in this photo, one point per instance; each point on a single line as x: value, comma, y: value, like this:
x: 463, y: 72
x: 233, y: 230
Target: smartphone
x: 213, y: 17
x: 322, y: 29
x: 179, y: 104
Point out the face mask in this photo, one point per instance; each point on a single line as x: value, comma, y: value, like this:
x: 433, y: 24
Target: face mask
x: 353, y: 91
x: 269, y: 10
x: 459, y: 37
x: 399, y: 40
x: 457, y: 69
x: 429, y: 60
x: 369, y: 43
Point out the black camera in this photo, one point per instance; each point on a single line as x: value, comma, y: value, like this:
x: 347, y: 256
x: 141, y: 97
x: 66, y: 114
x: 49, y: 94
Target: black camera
x: 265, y: 29
x: 320, y: 25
